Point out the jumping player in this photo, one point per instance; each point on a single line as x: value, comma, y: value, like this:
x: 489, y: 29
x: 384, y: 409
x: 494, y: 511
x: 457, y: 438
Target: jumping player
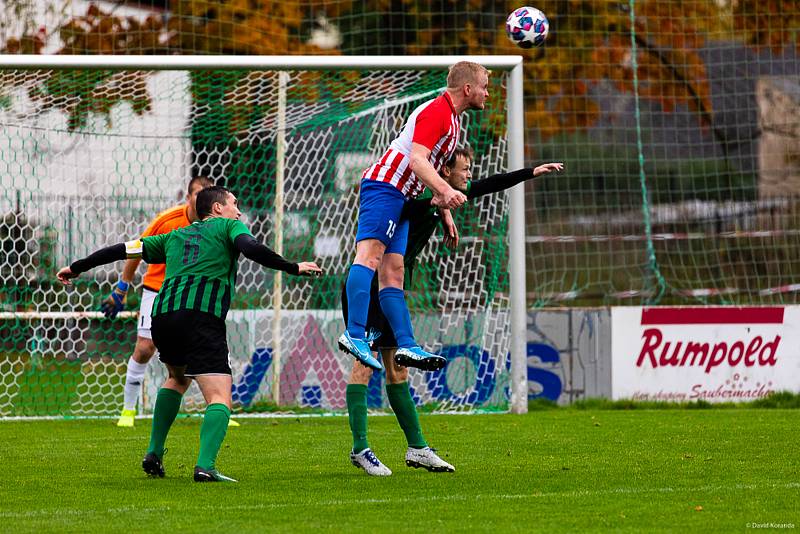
x: 423, y: 218
x: 411, y: 163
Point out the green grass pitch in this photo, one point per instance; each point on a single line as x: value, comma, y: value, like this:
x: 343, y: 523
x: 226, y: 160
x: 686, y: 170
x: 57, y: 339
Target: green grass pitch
x: 562, y: 470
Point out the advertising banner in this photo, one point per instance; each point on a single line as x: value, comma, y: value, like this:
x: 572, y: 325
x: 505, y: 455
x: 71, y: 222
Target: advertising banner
x: 715, y: 354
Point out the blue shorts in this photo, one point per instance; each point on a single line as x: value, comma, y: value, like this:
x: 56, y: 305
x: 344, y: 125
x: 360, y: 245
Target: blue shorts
x: 379, y: 210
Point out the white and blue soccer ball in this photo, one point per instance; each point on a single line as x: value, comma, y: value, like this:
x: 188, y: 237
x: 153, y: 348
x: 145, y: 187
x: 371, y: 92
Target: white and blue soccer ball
x: 527, y: 27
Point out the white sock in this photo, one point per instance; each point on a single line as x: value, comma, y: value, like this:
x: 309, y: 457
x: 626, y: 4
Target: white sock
x: 133, y: 383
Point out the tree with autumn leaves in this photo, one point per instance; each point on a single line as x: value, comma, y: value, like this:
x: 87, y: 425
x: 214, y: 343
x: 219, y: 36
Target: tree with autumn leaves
x: 590, y: 41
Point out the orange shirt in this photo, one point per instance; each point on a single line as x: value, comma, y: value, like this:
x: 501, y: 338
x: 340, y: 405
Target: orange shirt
x: 165, y: 222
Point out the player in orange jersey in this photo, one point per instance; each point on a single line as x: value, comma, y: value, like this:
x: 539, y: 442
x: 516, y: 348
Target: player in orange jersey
x: 165, y: 222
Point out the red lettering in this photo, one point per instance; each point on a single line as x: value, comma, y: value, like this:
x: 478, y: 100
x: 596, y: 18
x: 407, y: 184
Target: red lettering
x: 687, y: 353
x: 652, y: 339
x: 737, y: 346
x: 752, y: 348
x: 673, y: 360
x: 713, y: 361
x: 694, y: 349
x: 769, y: 358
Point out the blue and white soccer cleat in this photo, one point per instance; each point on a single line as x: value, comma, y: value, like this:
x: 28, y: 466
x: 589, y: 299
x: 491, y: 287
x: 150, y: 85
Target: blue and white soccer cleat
x: 416, y: 357
x: 427, y: 459
x: 360, y: 349
x: 367, y: 461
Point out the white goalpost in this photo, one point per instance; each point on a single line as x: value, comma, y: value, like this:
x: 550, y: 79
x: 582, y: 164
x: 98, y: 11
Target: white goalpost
x: 94, y: 146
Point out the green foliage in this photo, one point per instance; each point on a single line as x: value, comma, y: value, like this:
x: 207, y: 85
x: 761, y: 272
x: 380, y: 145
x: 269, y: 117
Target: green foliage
x: 777, y: 400
x: 599, y: 178
x: 541, y: 404
x: 700, y: 179
x: 780, y: 399
x: 605, y: 178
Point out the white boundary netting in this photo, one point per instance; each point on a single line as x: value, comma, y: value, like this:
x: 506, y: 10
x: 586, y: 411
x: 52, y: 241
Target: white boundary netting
x: 90, y: 166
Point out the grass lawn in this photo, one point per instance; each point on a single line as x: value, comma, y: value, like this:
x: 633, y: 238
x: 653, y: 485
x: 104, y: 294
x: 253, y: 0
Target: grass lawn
x: 562, y: 470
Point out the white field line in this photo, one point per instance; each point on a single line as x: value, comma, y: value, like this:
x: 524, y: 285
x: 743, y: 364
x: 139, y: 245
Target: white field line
x: 579, y: 493
x: 263, y: 415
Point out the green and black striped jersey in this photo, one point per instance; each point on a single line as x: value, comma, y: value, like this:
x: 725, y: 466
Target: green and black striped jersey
x: 201, y: 264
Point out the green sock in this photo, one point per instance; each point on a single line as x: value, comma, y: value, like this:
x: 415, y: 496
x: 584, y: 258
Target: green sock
x: 215, y: 425
x: 406, y: 412
x: 357, y: 413
x: 168, y: 404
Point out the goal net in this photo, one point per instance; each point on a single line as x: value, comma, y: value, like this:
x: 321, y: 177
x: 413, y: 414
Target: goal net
x: 89, y: 156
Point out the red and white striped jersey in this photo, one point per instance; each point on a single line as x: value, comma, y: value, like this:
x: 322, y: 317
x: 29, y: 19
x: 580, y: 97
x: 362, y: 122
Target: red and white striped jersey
x: 434, y: 124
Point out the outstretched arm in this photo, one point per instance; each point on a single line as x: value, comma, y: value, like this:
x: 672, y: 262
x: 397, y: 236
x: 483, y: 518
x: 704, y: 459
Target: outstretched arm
x: 263, y: 255
x: 501, y: 182
x: 100, y: 257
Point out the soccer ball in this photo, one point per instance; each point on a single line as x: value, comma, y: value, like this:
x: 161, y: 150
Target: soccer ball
x: 527, y: 27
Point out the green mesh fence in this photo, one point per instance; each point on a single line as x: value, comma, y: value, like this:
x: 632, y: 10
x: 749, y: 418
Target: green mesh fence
x: 677, y: 124
x: 91, y: 156
x: 712, y: 117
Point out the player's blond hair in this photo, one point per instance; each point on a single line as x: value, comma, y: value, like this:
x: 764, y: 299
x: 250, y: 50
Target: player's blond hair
x: 464, y: 72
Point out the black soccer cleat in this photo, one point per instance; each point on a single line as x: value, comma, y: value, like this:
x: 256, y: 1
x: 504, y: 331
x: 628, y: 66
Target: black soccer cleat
x: 210, y: 475
x: 152, y: 465
x: 419, y: 358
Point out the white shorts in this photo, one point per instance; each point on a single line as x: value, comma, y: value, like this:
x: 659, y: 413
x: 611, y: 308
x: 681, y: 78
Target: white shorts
x: 146, y: 313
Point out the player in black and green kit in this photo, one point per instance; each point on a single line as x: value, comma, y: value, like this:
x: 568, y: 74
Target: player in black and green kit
x: 423, y: 221
x: 189, y: 315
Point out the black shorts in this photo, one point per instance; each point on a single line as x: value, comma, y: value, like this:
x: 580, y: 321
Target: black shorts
x: 192, y: 338
x: 375, y: 319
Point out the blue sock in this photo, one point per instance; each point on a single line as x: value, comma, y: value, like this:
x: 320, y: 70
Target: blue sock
x: 393, y: 304
x: 358, y: 283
